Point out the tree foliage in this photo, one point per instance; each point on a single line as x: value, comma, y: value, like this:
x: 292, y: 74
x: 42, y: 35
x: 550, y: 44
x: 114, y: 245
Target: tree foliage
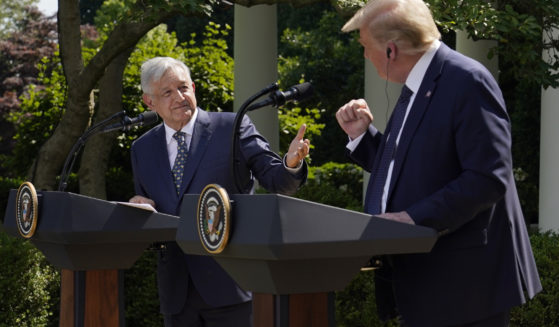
x: 12, y: 12
x: 517, y: 26
x: 38, y: 116
x: 312, y: 48
x: 33, y: 38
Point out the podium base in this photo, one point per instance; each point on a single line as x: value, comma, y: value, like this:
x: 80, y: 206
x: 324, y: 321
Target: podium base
x: 295, y: 310
x: 91, y: 298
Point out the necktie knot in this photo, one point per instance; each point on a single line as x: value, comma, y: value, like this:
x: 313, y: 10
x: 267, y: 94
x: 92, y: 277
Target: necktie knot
x: 405, y: 95
x: 179, y: 137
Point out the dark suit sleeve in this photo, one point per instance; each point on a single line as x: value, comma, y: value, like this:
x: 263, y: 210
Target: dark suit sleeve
x: 482, y: 140
x: 265, y: 164
x: 137, y: 187
x: 367, y: 149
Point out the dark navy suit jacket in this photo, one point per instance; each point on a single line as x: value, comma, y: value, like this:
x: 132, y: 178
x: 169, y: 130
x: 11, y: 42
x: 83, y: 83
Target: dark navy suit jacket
x: 453, y: 173
x: 207, y: 162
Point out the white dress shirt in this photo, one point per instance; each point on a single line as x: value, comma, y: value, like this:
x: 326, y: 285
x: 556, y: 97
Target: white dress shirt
x: 172, y: 144
x: 413, y: 82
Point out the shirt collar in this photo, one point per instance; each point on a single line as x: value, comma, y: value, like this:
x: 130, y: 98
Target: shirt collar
x: 188, y: 128
x: 415, y: 77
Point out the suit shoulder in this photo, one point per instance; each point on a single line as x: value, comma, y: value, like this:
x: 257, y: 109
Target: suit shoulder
x: 221, y: 119
x: 457, y: 62
x: 148, y: 136
x: 221, y: 116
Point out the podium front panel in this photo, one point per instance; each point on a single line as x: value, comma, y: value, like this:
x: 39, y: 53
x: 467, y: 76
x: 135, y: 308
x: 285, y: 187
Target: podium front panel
x: 78, y: 232
x: 283, y: 245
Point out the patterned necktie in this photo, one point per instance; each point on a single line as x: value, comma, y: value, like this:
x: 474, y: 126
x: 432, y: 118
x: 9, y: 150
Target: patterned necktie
x: 379, y: 177
x: 178, y: 166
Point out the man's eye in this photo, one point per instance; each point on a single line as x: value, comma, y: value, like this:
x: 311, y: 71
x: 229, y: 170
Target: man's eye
x: 183, y: 88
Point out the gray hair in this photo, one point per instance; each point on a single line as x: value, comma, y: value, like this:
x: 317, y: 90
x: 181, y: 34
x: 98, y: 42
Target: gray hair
x: 154, y: 68
x: 407, y: 23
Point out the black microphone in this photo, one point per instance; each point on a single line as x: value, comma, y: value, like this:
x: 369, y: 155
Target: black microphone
x: 146, y: 118
x: 295, y: 93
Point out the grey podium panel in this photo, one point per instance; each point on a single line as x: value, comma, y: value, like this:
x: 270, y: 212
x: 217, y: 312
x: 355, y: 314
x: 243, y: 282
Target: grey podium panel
x: 283, y: 245
x: 77, y: 232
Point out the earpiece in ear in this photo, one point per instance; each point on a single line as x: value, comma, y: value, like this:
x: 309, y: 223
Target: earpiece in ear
x: 388, y: 52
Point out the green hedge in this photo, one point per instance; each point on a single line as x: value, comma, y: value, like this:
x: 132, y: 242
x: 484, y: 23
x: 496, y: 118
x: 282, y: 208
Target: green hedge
x: 140, y: 289
x: 335, y: 184
x: 543, y: 309
x: 355, y: 305
x: 28, y: 284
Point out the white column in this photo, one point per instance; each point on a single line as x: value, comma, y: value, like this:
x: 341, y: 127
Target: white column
x: 255, y: 53
x: 478, y: 50
x: 549, y: 156
x: 381, y: 96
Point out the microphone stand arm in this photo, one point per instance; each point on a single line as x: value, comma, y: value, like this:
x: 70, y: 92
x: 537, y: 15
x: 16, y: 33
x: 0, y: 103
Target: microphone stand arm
x: 71, y: 158
x: 235, y: 150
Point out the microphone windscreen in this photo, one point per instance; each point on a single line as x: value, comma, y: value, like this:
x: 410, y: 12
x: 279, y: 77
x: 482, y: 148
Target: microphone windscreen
x: 304, y: 90
x: 150, y: 117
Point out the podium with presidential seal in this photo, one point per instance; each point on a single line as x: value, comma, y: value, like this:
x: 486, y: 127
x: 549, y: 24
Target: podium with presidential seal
x: 291, y: 253
x: 91, y: 241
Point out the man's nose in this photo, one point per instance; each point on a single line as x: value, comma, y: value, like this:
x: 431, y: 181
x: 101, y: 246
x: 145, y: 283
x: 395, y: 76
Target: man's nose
x: 178, y: 95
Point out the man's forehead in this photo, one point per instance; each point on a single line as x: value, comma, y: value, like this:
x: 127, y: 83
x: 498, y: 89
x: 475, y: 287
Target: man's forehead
x: 173, y: 77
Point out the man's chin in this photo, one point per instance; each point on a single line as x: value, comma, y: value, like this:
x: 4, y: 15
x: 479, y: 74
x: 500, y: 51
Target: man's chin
x: 183, y: 116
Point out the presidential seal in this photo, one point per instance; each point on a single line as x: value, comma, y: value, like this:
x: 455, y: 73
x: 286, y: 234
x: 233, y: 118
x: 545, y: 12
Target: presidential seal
x: 26, y: 209
x: 214, y: 218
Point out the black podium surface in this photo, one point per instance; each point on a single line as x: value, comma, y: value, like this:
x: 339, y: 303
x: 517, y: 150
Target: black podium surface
x: 283, y: 245
x: 77, y: 232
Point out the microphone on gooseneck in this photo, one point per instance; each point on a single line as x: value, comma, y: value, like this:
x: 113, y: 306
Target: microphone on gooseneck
x: 126, y: 123
x: 278, y: 98
x: 294, y: 93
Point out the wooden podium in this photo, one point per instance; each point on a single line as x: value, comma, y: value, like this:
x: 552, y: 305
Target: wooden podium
x: 92, y: 240
x: 290, y: 253
x: 299, y: 251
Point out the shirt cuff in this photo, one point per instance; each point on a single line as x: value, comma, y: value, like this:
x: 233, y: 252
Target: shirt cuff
x: 292, y: 170
x: 352, y: 144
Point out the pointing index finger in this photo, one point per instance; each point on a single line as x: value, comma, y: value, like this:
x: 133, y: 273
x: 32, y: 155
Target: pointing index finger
x: 301, y: 132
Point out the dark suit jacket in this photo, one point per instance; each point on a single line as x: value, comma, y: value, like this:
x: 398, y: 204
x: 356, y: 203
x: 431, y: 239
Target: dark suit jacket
x: 207, y: 162
x: 453, y: 172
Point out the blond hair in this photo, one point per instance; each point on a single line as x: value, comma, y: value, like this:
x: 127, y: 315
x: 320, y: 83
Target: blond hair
x: 407, y: 23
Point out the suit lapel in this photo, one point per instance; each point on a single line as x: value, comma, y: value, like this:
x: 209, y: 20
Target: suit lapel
x: 198, y: 145
x: 419, y: 107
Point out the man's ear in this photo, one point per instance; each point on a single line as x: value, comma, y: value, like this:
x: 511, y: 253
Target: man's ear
x: 193, y: 87
x: 390, y: 50
x: 147, y: 100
